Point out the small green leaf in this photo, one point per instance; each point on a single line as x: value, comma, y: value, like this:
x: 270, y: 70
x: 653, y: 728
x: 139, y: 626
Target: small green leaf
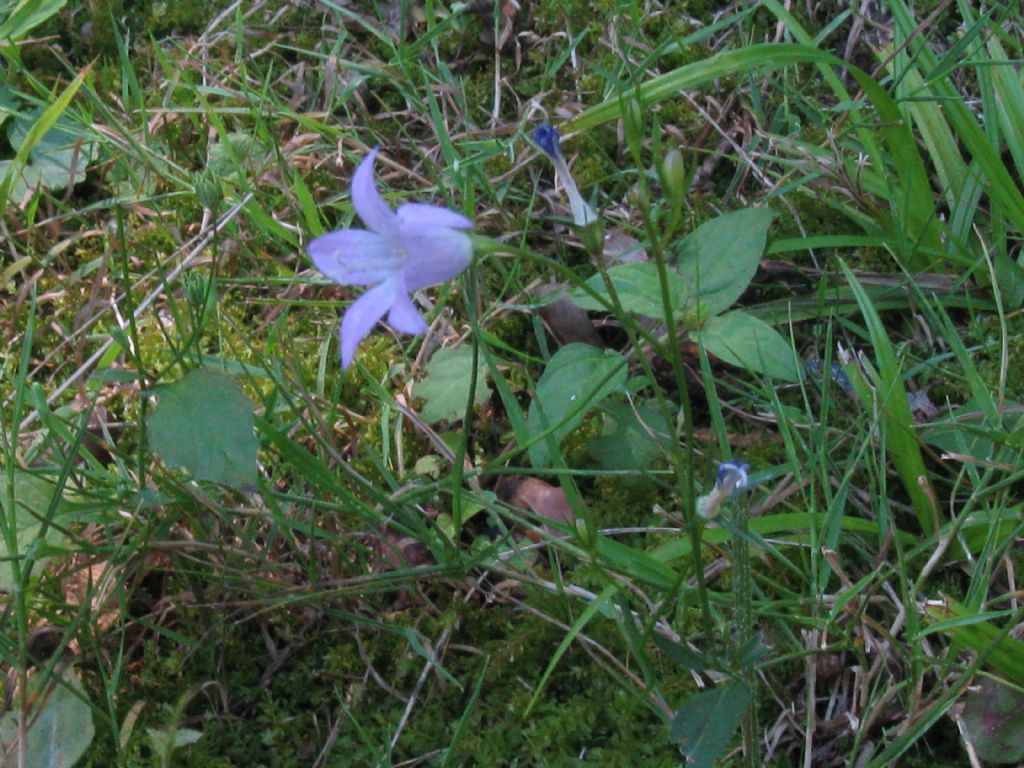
x: 58, y: 160
x: 446, y: 385
x: 576, y: 379
x: 637, y: 288
x: 718, y: 260
x: 204, y: 423
x: 1009, y: 279
x: 165, y: 740
x: 633, y: 438
x: 237, y: 152
x: 60, y: 726
x: 992, y: 718
x: 8, y: 104
x: 686, y: 657
x: 704, y: 725
x: 32, y: 498
x: 745, y: 341
x: 428, y: 466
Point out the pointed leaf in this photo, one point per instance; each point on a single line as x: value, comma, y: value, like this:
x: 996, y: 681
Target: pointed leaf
x: 704, y: 725
x: 637, y: 288
x: 745, y: 341
x: 633, y: 437
x: 576, y: 379
x: 718, y: 260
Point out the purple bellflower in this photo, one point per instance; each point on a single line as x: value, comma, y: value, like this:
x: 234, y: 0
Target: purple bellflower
x: 413, y: 247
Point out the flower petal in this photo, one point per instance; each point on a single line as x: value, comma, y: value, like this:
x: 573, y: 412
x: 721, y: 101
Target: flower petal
x: 367, y: 200
x: 420, y: 216
x: 434, y: 256
x: 582, y: 213
x: 362, y: 315
x: 356, y: 256
x: 404, y: 316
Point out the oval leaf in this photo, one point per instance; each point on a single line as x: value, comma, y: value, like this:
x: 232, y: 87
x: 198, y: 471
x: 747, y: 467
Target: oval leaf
x: 992, y: 718
x: 204, y: 423
x: 57, y: 161
x: 577, y: 378
x: 747, y: 342
x: 718, y: 260
x: 638, y: 289
x: 704, y: 725
x: 33, y: 497
x: 60, y: 726
x: 446, y: 385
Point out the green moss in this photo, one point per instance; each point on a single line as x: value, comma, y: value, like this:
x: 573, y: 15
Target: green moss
x: 182, y: 17
x: 282, y: 718
x: 988, y: 331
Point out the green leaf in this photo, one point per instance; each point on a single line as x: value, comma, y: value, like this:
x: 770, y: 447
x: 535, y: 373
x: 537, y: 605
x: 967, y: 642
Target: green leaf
x: 60, y: 725
x: 901, y: 442
x: 745, y: 341
x: 959, y: 433
x: 637, y: 564
x: 204, y: 423
x: 32, y: 499
x: 637, y: 288
x: 237, y: 152
x: 974, y: 631
x: 56, y: 161
x: 8, y: 104
x: 46, y: 121
x: 686, y: 657
x: 576, y: 379
x: 992, y: 717
x: 19, y: 17
x: 446, y: 385
x: 1009, y: 279
x: 165, y: 740
x: 704, y: 725
x: 718, y: 260
x: 633, y: 438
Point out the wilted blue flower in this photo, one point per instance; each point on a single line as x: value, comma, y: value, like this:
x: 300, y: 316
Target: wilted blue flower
x: 732, y: 475
x: 549, y: 140
x: 838, y: 375
x: 404, y: 250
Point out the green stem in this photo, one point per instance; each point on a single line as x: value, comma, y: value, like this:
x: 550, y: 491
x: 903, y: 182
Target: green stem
x: 743, y: 628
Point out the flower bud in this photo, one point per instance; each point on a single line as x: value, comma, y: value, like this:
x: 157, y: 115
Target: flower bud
x: 633, y: 125
x: 673, y: 177
x: 548, y: 139
x: 585, y: 533
x: 638, y: 197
